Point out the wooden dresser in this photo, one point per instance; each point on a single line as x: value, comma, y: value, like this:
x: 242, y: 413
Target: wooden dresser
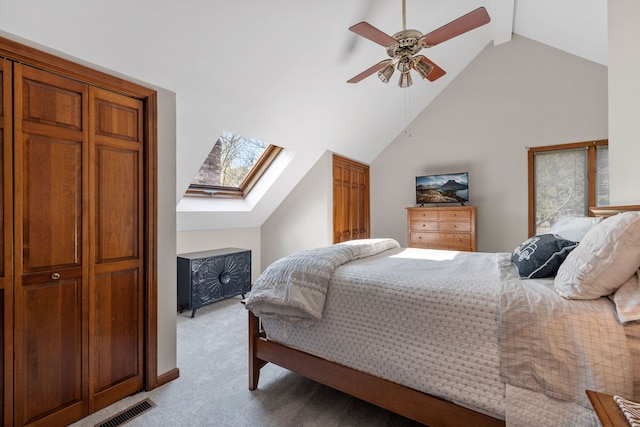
x: 451, y: 228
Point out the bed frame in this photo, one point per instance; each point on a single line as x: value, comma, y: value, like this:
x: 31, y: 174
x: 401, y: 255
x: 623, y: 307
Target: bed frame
x: 410, y: 403
x: 607, y: 211
x: 402, y: 400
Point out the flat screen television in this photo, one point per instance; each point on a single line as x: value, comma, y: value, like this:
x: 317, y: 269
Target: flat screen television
x: 443, y: 188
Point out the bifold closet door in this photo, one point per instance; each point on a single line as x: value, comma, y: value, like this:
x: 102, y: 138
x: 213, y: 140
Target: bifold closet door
x: 117, y: 237
x: 350, y: 200
x: 79, y: 236
x: 51, y: 179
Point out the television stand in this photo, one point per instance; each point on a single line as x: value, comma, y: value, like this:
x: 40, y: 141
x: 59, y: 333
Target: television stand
x: 452, y: 228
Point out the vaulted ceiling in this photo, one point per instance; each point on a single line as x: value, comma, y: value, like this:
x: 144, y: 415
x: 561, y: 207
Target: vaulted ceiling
x: 277, y: 70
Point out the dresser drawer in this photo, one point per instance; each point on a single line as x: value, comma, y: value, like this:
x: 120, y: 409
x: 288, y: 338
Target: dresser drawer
x: 462, y: 227
x: 424, y: 226
x: 452, y: 215
x: 418, y: 215
x: 460, y: 241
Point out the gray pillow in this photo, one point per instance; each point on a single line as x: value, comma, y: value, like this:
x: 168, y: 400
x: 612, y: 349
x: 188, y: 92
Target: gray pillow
x: 541, y: 255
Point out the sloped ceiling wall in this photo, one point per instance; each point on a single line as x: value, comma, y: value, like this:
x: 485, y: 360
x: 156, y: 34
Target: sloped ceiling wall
x: 277, y: 70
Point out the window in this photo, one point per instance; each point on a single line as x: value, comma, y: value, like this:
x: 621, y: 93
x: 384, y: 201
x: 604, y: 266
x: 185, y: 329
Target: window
x: 233, y: 166
x: 566, y: 180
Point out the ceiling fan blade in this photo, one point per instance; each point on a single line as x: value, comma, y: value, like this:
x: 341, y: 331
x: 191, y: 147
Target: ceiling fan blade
x: 366, y: 73
x: 436, y: 72
x: 474, y: 19
x: 370, y: 32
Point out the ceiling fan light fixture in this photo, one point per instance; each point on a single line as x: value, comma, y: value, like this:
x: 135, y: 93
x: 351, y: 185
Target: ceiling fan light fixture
x: 405, y: 80
x: 404, y: 64
x: 386, y: 73
x: 423, y: 68
x: 403, y: 46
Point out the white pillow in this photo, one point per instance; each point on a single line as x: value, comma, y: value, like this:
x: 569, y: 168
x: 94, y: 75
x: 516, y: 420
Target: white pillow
x: 607, y: 256
x: 627, y: 300
x: 573, y: 227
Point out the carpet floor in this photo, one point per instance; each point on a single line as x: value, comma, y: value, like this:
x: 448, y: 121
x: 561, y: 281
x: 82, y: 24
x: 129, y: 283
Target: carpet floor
x: 212, y: 389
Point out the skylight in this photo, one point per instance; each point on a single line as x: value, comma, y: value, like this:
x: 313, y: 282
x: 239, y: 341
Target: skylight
x: 233, y: 166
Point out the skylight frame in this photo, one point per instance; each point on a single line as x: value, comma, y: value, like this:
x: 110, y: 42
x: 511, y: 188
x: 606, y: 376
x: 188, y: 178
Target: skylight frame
x: 240, y: 192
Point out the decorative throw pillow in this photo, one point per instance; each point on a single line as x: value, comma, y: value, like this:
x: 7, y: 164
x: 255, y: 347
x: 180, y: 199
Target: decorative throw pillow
x: 627, y: 300
x: 607, y: 256
x: 541, y: 255
x: 573, y: 227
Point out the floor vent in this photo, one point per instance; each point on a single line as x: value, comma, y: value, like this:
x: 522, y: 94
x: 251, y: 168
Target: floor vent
x: 128, y: 414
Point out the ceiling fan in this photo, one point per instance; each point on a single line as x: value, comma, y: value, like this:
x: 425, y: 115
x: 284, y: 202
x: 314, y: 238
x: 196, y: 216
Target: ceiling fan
x: 403, y: 46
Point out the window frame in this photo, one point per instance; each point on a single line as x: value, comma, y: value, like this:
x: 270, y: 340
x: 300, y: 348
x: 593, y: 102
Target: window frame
x: 590, y: 146
x: 252, y: 177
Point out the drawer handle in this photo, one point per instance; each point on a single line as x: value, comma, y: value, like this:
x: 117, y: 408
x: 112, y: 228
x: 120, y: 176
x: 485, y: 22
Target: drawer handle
x: 55, y: 276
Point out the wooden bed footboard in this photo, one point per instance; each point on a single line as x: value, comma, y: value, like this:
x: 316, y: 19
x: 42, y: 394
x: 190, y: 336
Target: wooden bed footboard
x: 410, y: 403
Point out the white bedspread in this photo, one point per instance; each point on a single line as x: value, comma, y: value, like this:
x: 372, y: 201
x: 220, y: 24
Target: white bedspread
x: 294, y: 288
x: 425, y: 319
x: 459, y: 325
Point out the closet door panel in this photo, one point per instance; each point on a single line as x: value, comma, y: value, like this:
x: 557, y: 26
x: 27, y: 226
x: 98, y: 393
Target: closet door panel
x: 51, y: 237
x: 52, y: 203
x: 341, y: 229
x: 117, y: 265
x: 117, y: 204
x: 359, y: 189
x: 118, y: 338
x: 118, y: 119
x: 51, y: 336
x: 52, y: 102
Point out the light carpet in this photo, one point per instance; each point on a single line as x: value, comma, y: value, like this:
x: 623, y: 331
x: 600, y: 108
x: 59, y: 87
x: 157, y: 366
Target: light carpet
x: 212, y: 389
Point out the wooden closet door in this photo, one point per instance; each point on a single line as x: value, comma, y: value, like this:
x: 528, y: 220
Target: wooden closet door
x: 341, y: 228
x: 350, y: 200
x: 359, y: 201
x: 6, y: 259
x: 51, y: 248
x: 117, y: 261
x: 78, y: 214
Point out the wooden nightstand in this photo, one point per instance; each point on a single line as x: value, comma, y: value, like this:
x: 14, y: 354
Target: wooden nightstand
x: 607, y: 409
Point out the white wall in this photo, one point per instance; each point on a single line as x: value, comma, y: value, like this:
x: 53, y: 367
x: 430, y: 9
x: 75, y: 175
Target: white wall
x: 167, y: 299
x: 305, y: 218
x: 624, y: 101
x: 511, y: 96
x: 205, y: 240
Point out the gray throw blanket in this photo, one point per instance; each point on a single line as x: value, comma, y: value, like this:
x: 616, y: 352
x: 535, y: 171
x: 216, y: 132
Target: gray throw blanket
x: 294, y: 288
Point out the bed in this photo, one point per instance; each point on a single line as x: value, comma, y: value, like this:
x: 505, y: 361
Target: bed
x: 450, y: 338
